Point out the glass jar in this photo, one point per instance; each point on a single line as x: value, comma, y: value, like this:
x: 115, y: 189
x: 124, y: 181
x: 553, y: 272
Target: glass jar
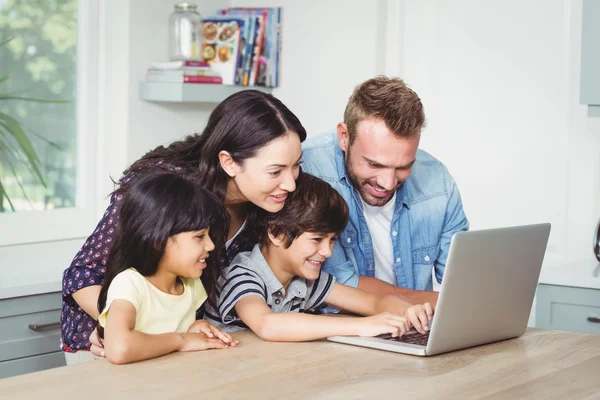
x: 185, y: 33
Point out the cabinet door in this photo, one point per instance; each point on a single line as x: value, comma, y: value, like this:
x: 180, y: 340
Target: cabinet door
x: 29, y: 326
x: 568, y: 309
x: 32, y: 364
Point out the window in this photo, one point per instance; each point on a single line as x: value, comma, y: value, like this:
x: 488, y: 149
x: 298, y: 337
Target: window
x: 39, y: 61
x: 51, y: 53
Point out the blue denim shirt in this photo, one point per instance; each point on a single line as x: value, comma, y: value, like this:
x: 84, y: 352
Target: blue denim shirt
x: 428, y: 211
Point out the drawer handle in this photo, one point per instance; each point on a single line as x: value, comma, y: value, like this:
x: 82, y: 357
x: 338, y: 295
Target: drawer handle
x: 44, y: 327
x: 595, y: 320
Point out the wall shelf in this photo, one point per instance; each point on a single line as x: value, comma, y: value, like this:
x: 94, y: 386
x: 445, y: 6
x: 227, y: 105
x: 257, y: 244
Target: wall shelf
x: 190, y: 92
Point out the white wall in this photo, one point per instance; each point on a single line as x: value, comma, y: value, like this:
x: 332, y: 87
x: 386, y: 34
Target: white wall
x: 329, y: 47
x: 500, y: 84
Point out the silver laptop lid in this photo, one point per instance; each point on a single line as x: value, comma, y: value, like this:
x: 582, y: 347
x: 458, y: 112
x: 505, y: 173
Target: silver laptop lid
x: 488, y: 287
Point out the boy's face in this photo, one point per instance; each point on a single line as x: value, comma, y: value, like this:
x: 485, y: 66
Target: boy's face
x: 308, y: 252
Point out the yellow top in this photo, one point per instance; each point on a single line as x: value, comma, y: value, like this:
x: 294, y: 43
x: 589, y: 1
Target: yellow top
x: 156, y: 311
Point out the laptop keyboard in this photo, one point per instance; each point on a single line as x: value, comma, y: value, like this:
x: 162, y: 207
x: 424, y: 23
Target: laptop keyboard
x: 411, y: 338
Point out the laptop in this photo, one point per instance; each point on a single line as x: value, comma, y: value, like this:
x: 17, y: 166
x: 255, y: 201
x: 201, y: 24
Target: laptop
x: 486, y: 294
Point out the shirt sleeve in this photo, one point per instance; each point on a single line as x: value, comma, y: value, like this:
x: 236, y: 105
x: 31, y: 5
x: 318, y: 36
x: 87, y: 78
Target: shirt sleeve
x: 125, y: 286
x: 238, y: 283
x: 455, y: 220
x: 318, y: 291
x: 198, y: 292
x: 89, y: 265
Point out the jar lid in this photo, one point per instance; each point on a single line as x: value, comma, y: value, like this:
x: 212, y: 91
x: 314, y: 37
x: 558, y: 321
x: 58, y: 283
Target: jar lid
x: 185, y: 6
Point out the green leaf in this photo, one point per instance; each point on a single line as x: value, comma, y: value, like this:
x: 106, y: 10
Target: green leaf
x: 9, y: 97
x: 15, y: 130
x: 14, y: 171
x: 4, y: 43
x: 3, y: 195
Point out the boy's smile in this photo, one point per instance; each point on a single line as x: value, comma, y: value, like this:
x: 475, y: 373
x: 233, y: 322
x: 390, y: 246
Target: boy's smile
x: 303, y: 258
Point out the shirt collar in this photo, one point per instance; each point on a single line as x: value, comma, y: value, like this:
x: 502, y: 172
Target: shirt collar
x: 296, y: 288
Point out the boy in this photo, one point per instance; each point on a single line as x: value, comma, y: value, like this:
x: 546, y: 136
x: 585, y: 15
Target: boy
x: 273, y: 288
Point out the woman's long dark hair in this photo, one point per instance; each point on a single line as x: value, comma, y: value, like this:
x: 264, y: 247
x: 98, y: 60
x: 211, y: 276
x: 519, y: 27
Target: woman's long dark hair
x: 157, y: 206
x: 241, y: 124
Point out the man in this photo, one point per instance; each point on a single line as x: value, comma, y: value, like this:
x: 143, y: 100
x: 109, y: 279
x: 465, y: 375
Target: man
x: 404, y: 205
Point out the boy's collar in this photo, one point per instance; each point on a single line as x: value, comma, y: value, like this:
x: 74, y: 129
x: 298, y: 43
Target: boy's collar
x: 296, y: 288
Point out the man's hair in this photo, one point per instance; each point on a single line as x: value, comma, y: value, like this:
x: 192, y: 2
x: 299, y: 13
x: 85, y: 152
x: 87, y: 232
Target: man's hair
x: 314, y: 206
x: 388, y: 99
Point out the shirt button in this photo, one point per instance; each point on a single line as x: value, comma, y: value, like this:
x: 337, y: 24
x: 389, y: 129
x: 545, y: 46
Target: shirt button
x: 398, y: 260
x: 349, y: 240
x: 427, y: 257
x: 394, y: 233
x: 277, y: 301
x: 370, y: 265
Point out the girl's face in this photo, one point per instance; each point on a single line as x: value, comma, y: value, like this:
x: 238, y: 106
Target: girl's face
x: 308, y: 252
x: 268, y: 177
x: 186, y: 253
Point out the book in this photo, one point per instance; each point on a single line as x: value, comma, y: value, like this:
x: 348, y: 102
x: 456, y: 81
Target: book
x: 221, y: 46
x: 183, y: 71
x: 174, y: 78
x: 267, y: 51
x: 178, y: 64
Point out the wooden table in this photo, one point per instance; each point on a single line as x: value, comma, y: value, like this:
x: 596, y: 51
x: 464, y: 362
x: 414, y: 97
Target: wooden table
x: 542, y: 364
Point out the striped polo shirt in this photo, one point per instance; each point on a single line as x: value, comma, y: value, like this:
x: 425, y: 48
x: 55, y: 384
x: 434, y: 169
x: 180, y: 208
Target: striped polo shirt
x: 250, y: 275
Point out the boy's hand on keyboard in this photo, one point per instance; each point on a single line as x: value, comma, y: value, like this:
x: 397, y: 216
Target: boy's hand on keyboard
x: 419, y: 316
x: 386, y: 322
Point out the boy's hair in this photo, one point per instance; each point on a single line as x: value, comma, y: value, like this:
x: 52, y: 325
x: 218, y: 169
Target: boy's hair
x: 157, y: 206
x: 314, y: 206
x: 388, y: 99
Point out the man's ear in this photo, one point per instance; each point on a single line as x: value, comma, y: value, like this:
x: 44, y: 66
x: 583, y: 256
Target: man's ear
x: 343, y: 136
x: 278, y: 241
x: 230, y: 167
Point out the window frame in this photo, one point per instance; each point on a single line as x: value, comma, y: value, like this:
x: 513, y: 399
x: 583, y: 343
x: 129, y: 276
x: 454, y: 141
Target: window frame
x: 26, y: 227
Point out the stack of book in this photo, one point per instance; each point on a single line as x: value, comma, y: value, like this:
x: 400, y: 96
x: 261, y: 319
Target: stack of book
x: 240, y: 46
x: 183, y: 72
x: 244, y: 45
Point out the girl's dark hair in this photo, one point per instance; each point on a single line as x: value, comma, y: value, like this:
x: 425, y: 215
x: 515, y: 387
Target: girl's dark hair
x: 314, y: 206
x: 241, y: 124
x: 157, y: 206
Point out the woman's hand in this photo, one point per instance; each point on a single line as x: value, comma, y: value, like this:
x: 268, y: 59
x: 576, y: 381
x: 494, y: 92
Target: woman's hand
x: 383, y: 323
x: 97, y: 348
x: 211, y: 332
x: 419, y: 316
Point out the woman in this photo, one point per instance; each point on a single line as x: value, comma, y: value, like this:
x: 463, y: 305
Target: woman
x: 248, y: 155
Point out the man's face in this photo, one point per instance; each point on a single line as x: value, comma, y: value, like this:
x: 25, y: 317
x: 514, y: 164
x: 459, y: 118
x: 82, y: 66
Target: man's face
x: 378, y: 161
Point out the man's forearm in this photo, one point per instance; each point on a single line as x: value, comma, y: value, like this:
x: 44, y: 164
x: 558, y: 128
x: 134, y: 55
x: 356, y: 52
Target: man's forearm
x: 377, y: 286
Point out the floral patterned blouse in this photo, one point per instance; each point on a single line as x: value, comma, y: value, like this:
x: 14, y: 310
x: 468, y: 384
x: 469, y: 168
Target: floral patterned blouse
x: 89, y: 265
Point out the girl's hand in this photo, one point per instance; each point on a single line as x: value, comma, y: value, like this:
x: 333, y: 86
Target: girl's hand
x: 97, y: 348
x: 382, y: 323
x: 419, y: 316
x: 193, y: 341
x: 212, y: 332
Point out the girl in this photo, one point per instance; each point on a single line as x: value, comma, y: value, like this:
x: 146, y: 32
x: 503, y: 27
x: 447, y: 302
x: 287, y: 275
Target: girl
x: 151, y: 290
x: 248, y: 155
x: 276, y: 287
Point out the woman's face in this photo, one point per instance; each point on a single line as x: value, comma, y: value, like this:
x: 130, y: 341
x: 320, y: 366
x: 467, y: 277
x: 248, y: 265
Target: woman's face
x: 271, y: 174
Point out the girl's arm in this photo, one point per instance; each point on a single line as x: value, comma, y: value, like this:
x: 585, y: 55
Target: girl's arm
x: 364, y: 303
x: 123, y: 344
x: 298, y: 327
